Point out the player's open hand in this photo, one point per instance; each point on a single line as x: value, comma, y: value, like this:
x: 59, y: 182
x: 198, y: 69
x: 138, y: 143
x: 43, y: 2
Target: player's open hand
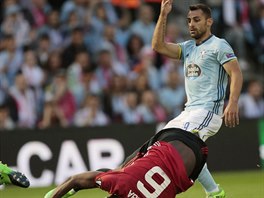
x: 231, y: 115
x: 166, y: 6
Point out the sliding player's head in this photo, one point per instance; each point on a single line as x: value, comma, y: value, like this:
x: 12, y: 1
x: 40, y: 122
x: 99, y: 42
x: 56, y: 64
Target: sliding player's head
x: 199, y: 21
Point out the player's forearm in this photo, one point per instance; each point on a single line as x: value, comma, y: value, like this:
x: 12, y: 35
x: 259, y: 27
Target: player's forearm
x: 75, y: 183
x: 171, y: 50
x: 62, y: 189
x: 236, y: 83
x: 159, y: 33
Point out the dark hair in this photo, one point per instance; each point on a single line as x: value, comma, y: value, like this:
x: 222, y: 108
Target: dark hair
x: 3, y: 105
x: 205, y: 9
x: 44, y: 36
x: 8, y: 36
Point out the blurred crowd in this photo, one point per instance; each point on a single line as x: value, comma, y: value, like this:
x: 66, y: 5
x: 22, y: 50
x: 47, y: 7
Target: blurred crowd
x: 90, y: 62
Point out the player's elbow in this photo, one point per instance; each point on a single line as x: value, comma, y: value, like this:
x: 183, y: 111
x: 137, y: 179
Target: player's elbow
x: 157, y: 47
x: 73, y: 181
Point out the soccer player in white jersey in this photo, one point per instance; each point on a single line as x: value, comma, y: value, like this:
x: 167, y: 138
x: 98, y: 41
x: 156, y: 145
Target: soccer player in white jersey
x: 208, y: 63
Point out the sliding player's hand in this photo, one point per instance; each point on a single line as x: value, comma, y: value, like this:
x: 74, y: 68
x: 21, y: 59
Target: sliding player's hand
x: 166, y: 6
x: 231, y: 115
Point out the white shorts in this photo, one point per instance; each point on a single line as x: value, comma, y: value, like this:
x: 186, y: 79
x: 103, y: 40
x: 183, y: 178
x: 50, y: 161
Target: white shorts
x: 200, y: 121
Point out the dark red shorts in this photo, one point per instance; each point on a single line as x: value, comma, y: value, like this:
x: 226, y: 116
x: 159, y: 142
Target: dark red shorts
x: 158, y: 173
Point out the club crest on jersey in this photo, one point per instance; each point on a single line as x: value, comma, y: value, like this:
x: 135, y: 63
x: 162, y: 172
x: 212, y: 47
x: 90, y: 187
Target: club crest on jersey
x: 192, y: 71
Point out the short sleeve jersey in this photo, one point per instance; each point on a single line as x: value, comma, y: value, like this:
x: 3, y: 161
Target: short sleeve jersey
x: 205, y: 78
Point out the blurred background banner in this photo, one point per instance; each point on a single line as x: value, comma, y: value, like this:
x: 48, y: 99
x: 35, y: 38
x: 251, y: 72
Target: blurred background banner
x: 52, y: 155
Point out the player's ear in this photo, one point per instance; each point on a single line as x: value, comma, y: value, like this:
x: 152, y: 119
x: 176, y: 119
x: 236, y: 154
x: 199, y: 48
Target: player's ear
x: 210, y: 21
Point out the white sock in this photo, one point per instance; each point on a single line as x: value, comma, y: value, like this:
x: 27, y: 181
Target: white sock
x: 207, y: 181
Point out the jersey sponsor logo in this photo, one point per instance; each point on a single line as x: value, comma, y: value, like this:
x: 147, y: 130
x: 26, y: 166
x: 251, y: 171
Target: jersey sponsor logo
x: 193, y: 70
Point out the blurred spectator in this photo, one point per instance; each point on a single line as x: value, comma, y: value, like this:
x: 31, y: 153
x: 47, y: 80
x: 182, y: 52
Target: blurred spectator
x: 6, y: 122
x: 8, y: 101
x: 35, y: 78
x: 74, y: 74
x: 53, y: 29
x: 106, y: 67
x: 130, y: 112
x: 155, y: 4
x: 39, y: 10
x: 140, y: 83
x: 79, y: 6
x: 88, y: 84
x: 31, y: 70
x: 114, y: 100
x: 25, y: 100
x: 52, y: 67
x: 15, y: 24
x: 72, y: 22
x: 99, y: 14
x: 123, y: 27
x: 100, y: 18
x: 167, y: 67
x: 133, y: 47
x: 11, y: 59
x: 59, y: 107
x: 172, y: 96
x: 258, y: 27
x: 173, y: 33
x: 76, y: 44
x: 144, y: 25
x: 43, y: 49
x: 238, y: 30
x: 146, y: 65
x: 109, y: 42
x: 91, y: 113
x: 150, y: 109
x: 251, y: 103
x: 216, y: 7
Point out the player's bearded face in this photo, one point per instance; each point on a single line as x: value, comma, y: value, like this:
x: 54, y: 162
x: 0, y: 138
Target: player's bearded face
x: 197, y: 24
x: 198, y: 32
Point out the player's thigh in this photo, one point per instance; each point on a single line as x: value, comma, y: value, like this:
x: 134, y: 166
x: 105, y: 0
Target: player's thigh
x: 200, y: 121
x: 179, y: 121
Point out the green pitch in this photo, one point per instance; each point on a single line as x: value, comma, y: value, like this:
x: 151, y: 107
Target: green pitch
x: 249, y: 184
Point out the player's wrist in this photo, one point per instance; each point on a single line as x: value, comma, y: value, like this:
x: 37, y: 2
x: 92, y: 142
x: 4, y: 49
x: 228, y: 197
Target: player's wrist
x: 163, y: 15
x: 233, y: 101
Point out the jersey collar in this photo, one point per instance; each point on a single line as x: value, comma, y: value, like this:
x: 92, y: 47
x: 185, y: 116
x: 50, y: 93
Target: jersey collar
x: 205, y: 40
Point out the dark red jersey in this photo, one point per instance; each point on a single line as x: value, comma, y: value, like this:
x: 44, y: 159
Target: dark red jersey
x: 160, y: 173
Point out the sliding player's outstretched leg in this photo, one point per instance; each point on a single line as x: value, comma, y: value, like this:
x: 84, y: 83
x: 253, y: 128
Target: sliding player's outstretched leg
x: 10, y: 176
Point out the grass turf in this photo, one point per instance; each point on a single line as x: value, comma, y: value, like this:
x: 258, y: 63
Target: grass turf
x: 247, y: 184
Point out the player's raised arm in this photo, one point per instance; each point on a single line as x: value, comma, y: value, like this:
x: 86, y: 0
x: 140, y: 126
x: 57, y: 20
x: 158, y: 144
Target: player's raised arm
x: 171, y: 50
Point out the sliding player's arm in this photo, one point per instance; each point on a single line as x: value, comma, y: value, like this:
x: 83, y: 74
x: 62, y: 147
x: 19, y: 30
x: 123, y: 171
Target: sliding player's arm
x: 231, y: 114
x: 171, y: 50
x: 73, y: 184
